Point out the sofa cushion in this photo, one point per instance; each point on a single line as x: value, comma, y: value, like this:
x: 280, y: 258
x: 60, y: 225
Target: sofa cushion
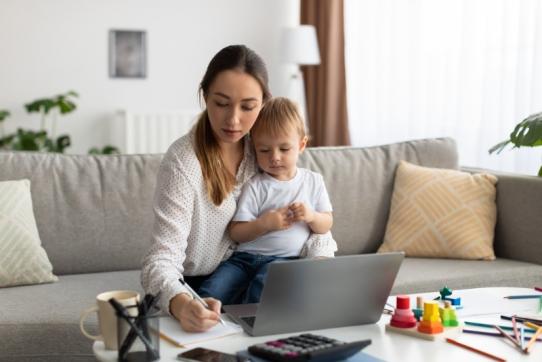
x: 440, y: 213
x: 22, y: 259
x: 418, y: 275
x: 360, y: 182
x: 94, y: 213
x: 43, y: 320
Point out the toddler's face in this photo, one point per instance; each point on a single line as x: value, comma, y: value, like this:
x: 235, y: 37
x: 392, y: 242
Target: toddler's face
x: 277, y: 155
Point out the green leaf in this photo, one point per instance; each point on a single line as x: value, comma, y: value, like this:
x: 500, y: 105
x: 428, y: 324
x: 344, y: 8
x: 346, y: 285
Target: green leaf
x: 528, y: 132
x: 62, y: 143
x: 499, y: 147
x: 40, y: 105
x: 110, y: 150
x: 106, y: 150
x: 5, y: 142
x: 66, y: 106
x: 4, y: 114
x: 540, y: 172
x: 49, y: 146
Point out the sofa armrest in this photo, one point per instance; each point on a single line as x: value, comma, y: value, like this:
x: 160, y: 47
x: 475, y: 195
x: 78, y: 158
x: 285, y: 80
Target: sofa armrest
x: 518, y: 233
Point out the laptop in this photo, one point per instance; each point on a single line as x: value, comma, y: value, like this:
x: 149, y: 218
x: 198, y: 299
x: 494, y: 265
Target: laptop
x: 308, y: 294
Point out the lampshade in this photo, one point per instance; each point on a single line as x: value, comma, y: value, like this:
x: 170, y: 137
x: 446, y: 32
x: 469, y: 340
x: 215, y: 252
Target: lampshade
x: 300, y: 45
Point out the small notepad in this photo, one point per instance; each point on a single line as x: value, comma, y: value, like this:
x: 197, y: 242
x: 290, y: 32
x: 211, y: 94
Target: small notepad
x: 172, y: 329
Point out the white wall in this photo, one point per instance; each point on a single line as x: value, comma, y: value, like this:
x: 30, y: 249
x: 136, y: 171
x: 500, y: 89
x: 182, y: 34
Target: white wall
x: 52, y: 46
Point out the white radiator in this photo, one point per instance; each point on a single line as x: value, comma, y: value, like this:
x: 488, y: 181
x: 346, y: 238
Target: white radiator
x: 151, y: 132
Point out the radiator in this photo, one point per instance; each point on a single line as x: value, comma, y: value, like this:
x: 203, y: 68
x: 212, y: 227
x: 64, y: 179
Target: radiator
x: 151, y: 132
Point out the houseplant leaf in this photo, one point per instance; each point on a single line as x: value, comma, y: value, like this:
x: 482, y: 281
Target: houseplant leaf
x: 3, y: 115
x: 528, y: 132
x: 63, y: 142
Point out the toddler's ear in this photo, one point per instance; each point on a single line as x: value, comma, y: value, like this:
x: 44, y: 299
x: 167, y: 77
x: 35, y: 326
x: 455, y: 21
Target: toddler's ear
x: 303, y: 143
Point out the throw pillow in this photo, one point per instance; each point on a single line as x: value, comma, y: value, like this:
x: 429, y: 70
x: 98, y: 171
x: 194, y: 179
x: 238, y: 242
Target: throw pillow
x: 441, y: 213
x: 22, y: 259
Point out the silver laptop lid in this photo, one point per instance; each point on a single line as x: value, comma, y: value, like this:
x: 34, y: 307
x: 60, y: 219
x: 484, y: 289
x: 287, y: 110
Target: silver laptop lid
x: 309, y: 294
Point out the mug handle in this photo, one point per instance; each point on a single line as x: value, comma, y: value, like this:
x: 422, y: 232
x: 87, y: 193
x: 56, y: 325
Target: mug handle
x: 82, y: 320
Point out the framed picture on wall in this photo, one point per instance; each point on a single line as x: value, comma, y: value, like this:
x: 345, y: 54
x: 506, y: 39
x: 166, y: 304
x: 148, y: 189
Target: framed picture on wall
x: 127, y: 54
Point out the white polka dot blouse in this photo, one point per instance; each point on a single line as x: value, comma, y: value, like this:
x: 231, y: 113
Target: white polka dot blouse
x: 189, y: 234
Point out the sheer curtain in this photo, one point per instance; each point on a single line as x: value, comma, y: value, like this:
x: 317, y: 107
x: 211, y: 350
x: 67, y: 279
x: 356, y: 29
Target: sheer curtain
x: 468, y: 69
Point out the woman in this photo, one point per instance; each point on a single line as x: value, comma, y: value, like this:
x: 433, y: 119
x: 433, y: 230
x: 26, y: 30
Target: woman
x: 198, y: 185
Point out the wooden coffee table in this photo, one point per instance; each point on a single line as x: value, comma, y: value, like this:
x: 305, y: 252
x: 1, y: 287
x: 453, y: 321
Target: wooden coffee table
x: 479, y: 305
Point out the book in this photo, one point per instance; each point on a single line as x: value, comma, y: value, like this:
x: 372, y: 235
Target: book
x: 171, y: 329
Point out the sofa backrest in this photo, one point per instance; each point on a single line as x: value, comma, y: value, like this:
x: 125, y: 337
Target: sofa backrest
x: 360, y: 184
x: 94, y: 213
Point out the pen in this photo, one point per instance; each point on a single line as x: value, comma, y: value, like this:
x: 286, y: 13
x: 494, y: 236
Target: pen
x: 198, y: 298
x: 533, y: 296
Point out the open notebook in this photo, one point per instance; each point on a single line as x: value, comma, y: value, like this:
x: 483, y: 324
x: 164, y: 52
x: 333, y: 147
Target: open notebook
x: 171, y: 329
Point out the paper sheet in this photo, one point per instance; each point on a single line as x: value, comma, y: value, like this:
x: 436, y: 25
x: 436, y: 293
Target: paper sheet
x: 171, y: 328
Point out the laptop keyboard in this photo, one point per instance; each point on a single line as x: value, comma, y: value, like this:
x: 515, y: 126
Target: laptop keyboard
x: 249, y: 320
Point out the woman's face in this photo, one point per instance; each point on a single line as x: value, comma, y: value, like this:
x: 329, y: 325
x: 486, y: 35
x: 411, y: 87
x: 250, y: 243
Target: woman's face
x: 233, y: 103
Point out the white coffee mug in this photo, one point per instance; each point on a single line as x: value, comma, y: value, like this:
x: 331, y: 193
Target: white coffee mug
x: 107, y: 318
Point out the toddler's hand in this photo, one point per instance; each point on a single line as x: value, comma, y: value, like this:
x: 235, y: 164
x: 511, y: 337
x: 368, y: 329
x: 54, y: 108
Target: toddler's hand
x: 301, y: 212
x: 276, y: 219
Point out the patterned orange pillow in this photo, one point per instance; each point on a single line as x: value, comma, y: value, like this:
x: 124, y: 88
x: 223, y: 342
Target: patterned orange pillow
x: 441, y: 213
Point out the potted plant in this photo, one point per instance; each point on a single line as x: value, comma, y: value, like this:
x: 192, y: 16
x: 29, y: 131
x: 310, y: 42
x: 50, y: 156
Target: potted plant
x: 3, y: 115
x: 527, y: 133
x: 57, y: 105
x: 30, y: 140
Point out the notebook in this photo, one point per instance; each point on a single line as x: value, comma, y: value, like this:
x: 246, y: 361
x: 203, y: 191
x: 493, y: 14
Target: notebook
x: 171, y: 329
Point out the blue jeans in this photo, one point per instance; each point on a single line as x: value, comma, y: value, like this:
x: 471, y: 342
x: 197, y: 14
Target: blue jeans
x: 239, y: 279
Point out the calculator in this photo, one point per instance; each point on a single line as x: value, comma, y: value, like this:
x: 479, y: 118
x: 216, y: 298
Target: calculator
x: 307, y: 347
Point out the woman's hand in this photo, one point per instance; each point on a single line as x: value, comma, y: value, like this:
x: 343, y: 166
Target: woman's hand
x: 192, y: 315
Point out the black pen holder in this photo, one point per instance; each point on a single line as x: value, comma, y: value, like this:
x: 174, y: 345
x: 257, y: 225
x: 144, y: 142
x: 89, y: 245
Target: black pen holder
x: 138, y: 337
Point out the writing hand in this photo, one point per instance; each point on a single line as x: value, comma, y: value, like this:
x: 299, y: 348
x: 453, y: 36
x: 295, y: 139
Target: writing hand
x: 193, y: 316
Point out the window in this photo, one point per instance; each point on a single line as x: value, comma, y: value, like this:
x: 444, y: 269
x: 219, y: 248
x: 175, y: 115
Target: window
x: 468, y: 69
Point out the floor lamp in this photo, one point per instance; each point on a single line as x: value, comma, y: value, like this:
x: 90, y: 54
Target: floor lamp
x: 299, y: 47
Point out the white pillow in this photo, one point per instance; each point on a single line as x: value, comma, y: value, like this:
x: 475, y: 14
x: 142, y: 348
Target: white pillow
x: 22, y: 259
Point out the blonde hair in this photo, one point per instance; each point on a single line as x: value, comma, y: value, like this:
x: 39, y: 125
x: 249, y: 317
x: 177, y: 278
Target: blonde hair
x: 277, y: 117
x: 219, y: 182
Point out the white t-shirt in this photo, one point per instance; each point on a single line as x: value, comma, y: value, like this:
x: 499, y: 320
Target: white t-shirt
x: 263, y: 193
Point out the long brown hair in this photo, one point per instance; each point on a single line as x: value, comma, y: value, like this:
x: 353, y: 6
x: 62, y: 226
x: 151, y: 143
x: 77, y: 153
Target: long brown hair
x: 218, y: 180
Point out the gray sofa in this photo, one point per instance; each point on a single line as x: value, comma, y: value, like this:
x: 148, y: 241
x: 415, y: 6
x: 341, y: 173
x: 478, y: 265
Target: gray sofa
x: 94, y: 218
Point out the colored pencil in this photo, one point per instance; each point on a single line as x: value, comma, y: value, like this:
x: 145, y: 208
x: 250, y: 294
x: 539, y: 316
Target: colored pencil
x: 515, y: 328
x: 475, y: 350
x: 485, y: 325
x: 532, y: 296
x: 522, y: 336
x: 494, y: 334
x: 536, y: 327
x: 514, y: 341
x: 522, y: 320
x: 538, y: 289
x: 533, y: 339
x: 171, y: 340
